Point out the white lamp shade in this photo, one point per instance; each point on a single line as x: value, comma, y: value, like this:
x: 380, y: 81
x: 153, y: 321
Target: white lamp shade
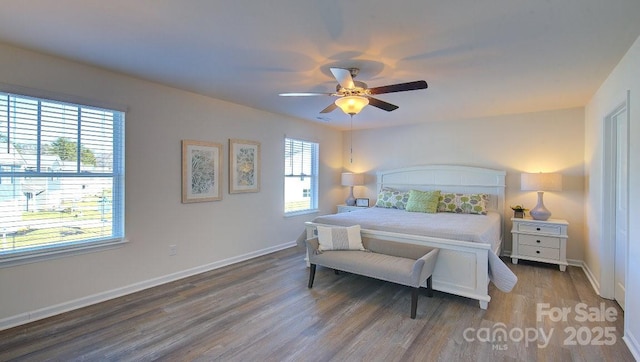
x: 351, y: 104
x: 352, y: 179
x: 541, y: 182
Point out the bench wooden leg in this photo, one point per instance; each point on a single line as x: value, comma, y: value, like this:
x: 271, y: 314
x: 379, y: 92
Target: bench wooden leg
x: 312, y: 274
x: 414, y: 297
x: 414, y: 302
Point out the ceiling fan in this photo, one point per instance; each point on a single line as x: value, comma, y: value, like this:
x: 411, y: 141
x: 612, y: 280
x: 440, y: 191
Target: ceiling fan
x: 354, y: 95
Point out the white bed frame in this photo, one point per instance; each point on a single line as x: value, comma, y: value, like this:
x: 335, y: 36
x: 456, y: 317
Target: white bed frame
x: 462, y: 267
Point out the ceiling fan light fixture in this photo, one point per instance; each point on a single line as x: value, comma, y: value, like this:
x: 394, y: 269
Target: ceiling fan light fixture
x: 352, y: 104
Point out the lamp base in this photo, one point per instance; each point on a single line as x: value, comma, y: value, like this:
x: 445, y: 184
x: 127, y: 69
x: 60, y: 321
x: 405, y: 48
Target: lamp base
x: 351, y: 200
x: 540, y: 212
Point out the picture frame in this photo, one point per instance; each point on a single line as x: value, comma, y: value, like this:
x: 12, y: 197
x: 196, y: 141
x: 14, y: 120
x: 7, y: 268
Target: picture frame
x: 201, y: 171
x: 244, y: 166
x: 362, y: 202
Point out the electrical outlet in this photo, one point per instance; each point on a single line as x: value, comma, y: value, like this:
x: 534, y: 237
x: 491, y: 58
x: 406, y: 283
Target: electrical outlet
x: 173, y: 250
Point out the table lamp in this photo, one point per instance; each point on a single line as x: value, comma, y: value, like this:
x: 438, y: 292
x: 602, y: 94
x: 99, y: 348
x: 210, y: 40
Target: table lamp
x: 540, y: 182
x: 351, y: 179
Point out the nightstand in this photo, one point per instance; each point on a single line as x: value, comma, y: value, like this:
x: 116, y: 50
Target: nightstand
x: 345, y: 208
x: 543, y: 241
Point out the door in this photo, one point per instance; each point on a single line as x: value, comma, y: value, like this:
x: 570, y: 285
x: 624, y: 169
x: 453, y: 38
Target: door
x: 621, y: 204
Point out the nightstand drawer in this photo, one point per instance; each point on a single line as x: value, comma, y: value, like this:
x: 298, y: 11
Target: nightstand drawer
x: 539, y: 241
x: 538, y: 252
x: 536, y: 228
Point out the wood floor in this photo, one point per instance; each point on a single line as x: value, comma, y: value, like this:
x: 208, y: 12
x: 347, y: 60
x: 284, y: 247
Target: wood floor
x: 261, y: 310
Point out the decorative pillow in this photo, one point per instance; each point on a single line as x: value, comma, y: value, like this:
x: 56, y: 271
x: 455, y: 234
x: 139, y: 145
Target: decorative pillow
x: 392, y: 199
x: 463, y: 203
x: 339, y: 238
x: 423, y: 201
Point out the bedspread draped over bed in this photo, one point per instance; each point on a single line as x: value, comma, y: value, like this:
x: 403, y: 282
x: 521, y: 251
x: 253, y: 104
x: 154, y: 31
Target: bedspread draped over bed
x: 463, y: 227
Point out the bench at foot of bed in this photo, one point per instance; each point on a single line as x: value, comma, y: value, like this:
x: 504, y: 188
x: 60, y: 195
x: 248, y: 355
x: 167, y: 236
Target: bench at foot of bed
x: 401, y: 263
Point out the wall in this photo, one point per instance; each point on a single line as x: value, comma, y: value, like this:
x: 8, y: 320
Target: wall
x: 626, y: 76
x: 206, y: 234
x: 551, y: 141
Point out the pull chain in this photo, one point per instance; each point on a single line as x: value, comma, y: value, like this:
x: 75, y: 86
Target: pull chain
x: 351, y: 140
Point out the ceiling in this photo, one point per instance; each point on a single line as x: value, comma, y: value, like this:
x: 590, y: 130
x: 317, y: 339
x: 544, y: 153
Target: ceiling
x: 480, y: 58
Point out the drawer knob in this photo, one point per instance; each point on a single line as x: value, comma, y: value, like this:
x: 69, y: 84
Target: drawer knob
x: 537, y: 251
x: 537, y: 241
x: 538, y: 229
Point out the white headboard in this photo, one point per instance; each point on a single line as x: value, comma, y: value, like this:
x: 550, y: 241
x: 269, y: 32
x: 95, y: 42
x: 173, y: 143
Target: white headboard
x: 448, y: 178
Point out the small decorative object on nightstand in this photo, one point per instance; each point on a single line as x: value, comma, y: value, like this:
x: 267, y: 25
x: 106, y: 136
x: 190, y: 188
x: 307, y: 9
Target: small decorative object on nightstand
x: 518, y: 211
x: 543, y: 241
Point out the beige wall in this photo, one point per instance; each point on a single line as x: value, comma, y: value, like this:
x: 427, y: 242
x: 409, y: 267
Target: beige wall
x: 551, y: 141
x: 158, y: 118
x: 625, y: 77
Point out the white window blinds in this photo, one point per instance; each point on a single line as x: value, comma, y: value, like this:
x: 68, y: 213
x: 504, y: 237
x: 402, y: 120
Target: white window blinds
x: 61, y: 176
x: 300, y: 176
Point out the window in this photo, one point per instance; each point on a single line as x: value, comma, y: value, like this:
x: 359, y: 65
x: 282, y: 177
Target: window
x: 300, y: 176
x: 62, y: 167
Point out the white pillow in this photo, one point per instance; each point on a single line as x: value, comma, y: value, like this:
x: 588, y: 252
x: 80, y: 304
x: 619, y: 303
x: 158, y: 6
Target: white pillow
x: 339, y: 238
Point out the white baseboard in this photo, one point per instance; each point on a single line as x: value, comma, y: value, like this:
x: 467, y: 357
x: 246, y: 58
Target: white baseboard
x: 592, y: 278
x: 579, y: 263
x: 632, y: 343
x: 575, y: 262
x: 628, y: 338
x: 50, y: 311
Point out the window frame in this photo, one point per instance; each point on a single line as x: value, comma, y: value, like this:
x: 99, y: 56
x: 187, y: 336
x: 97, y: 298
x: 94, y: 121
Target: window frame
x: 314, y: 175
x: 116, y: 174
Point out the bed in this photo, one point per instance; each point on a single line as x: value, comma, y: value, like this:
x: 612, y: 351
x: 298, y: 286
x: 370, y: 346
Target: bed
x: 469, y: 243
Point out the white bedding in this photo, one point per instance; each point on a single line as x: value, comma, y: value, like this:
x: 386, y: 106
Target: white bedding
x: 464, y: 227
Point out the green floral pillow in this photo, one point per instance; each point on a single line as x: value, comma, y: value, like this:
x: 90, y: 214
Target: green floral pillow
x: 423, y: 201
x: 392, y: 199
x: 464, y: 203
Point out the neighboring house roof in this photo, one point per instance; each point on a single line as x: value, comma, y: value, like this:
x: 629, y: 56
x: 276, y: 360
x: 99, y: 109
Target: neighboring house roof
x: 10, y: 156
x: 47, y: 162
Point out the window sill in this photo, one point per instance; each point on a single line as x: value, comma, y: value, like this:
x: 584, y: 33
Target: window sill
x: 303, y: 212
x: 34, y: 256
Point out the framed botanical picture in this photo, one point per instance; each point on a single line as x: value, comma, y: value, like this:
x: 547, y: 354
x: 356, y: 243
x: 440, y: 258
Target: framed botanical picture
x: 244, y: 166
x: 362, y: 202
x: 201, y: 171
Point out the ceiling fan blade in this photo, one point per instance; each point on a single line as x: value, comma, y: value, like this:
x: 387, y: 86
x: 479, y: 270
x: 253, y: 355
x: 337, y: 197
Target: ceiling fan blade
x: 401, y: 87
x: 304, y: 94
x: 329, y: 108
x: 343, y: 76
x: 382, y: 104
